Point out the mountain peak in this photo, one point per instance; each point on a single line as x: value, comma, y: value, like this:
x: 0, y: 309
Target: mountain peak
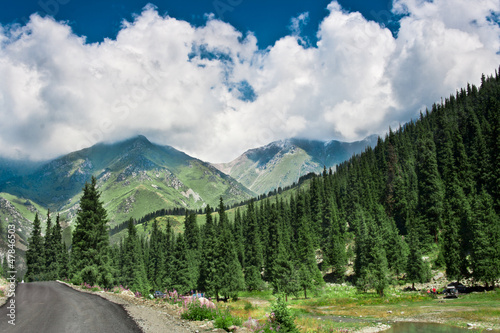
x: 139, y: 141
x: 141, y: 138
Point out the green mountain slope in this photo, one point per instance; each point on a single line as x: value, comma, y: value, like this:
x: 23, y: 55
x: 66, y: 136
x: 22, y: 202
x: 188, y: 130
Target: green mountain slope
x: 135, y: 177
x: 282, y: 163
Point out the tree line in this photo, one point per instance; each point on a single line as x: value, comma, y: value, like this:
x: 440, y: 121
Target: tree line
x: 433, y: 184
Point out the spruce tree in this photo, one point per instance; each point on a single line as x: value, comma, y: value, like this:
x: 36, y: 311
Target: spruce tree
x: 335, y: 251
x: 181, y: 278
x: 5, y: 267
x: 239, y: 238
x: 309, y: 273
x: 208, y: 273
x: 51, y: 248
x: 230, y: 275
x: 169, y: 247
x: 133, y: 270
x: 253, y: 250
x: 193, y: 247
x: 417, y: 271
x: 156, y: 262
x: 485, y: 251
x: 370, y: 265
x: 430, y: 187
x: 90, y: 242
x: 61, y: 253
x: 34, y: 255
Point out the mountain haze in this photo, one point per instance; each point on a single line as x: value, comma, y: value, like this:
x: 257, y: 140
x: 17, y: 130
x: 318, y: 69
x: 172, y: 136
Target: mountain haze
x: 281, y: 163
x: 135, y: 177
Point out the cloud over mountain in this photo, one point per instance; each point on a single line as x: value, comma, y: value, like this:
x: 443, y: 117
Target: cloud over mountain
x: 210, y: 91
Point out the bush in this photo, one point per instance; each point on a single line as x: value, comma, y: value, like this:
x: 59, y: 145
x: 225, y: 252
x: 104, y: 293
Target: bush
x: 282, y: 317
x: 224, y: 319
x: 89, y: 274
x: 76, y: 279
x: 196, y: 311
x: 248, y: 306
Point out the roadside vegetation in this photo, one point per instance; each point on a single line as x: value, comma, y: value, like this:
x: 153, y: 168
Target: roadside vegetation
x: 425, y: 198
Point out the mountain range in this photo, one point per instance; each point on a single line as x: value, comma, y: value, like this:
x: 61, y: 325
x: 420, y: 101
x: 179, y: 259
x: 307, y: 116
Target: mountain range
x: 282, y: 163
x: 137, y: 177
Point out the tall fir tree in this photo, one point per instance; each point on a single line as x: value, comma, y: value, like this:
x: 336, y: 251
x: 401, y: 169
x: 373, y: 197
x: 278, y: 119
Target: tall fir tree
x: 61, y: 252
x: 208, y: 271
x: 336, y: 249
x: 230, y: 277
x: 305, y: 260
x: 35, y: 254
x: 485, y: 249
x: 239, y: 238
x: 371, y: 261
x: 90, y: 242
x: 50, y: 248
x: 156, y: 264
x: 430, y: 188
x: 417, y: 271
x: 192, y: 238
x: 133, y: 271
x: 181, y: 277
x: 253, y: 250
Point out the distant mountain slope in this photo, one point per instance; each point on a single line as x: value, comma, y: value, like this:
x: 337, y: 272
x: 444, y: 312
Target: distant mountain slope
x: 282, y: 163
x: 10, y: 168
x: 135, y: 177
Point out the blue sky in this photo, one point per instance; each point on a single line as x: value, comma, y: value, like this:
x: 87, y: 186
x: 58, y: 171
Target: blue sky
x: 75, y: 73
x: 269, y: 20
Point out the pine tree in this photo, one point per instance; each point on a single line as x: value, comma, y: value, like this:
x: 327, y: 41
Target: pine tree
x: 230, y: 275
x: 51, y: 248
x: 253, y: 250
x: 34, y: 255
x: 239, y: 239
x: 90, y: 242
x: 370, y: 265
x: 169, y: 247
x: 156, y: 262
x: 133, y: 270
x: 61, y: 253
x: 193, y: 247
x: 181, y: 278
x: 430, y: 187
x: 276, y: 244
x: 5, y: 267
x: 417, y: 271
x: 336, y: 251
x: 316, y: 204
x: 485, y: 251
x: 208, y: 272
x: 309, y: 273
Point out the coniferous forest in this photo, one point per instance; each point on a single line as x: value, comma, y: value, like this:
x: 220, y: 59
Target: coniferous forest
x: 432, y: 185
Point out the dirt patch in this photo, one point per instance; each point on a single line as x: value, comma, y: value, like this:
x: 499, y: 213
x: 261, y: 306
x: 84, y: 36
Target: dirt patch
x: 257, y: 302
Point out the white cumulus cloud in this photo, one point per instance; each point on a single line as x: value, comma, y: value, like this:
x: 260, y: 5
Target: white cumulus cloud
x: 211, y: 92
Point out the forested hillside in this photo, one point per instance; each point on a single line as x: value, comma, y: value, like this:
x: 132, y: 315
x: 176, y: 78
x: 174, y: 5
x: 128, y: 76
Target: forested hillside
x: 431, y: 184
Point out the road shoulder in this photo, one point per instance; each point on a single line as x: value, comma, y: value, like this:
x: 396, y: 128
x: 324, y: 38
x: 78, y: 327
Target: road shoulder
x: 152, y: 316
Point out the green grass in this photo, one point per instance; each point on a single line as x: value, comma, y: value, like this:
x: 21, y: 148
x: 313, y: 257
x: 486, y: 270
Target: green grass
x: 22, y: 207
x: 357, y: 309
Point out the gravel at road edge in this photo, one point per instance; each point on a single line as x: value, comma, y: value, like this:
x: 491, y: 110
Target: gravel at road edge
x: 151, y: 316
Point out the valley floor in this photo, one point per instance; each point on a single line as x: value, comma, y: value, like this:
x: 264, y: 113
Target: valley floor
x: 338, y: 308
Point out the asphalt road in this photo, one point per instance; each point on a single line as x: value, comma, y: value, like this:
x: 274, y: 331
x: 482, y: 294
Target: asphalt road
x: 51, y: 307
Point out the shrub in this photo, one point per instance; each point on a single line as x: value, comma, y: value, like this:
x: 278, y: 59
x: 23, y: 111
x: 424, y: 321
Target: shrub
x: 248, y: 306
x: 224, y: 319
x: 89, y: 274
x: 282, y: 317
x: 194, y: 310
x: 76, y: 279
x: 172, y: 296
